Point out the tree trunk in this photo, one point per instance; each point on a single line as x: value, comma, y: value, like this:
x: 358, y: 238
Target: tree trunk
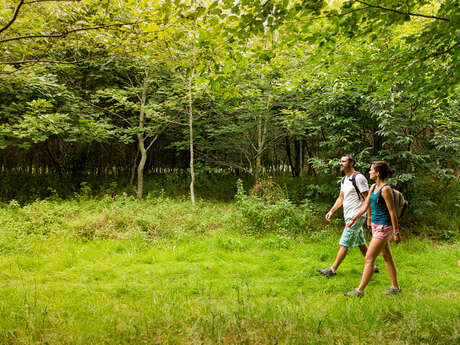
x: 297, y: 157
x: 260, y: 143
x: 57, y: 166
x: 309, y: 155
x: 289, y: 155
x: 141, y: 143
x: 190, y: 125
x: 301, y: 158
x: 133, y: 169
x: 190, y: 112
x: 140, y: 168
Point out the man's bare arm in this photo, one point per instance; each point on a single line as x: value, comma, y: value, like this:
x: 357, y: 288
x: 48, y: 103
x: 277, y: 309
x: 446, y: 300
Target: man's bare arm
x: 338, y: 203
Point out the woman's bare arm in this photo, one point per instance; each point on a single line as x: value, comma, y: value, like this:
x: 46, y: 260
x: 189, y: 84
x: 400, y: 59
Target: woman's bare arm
x: 387, y: 194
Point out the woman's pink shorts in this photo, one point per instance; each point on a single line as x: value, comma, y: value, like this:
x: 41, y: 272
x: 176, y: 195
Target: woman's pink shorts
x: 382, y: 232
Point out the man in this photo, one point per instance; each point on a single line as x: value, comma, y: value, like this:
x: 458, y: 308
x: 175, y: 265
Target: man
x: 352, y: 196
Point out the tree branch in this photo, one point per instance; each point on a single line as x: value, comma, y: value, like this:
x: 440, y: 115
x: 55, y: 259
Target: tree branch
x: 214, y: 159
x: 64, y: 62
x: 66, y: 32
x: 151, y: 142
x: 402, y: 13
x: 15, y: 15
x: 104, y: 109
x: 35, y: 1
x: 155, y: 138
x: 341, y: 14
x: 442, y: 52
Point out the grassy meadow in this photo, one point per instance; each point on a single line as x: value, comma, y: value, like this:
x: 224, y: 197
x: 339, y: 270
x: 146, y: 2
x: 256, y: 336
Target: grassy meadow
x: 119, y: 271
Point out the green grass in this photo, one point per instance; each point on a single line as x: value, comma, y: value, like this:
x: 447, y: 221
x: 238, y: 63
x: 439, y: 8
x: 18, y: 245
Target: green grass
x: 162, y: 272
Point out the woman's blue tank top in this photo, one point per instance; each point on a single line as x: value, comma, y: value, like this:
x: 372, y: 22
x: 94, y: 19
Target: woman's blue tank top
x: 379, y: 209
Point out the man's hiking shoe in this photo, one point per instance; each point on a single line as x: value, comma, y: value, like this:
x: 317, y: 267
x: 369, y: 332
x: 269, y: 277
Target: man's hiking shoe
x: 354, y: 293
x: 328, y: 272
x: 391, y: 291
x: 376, y: 270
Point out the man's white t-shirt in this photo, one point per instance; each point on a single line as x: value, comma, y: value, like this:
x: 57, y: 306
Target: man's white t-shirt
x: 351, y: 201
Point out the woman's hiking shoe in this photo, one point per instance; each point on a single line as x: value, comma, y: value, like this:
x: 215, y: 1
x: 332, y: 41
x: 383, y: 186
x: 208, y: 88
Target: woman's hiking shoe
x: 328, y: 272
x: 354, y: 293
x: 391, y: 291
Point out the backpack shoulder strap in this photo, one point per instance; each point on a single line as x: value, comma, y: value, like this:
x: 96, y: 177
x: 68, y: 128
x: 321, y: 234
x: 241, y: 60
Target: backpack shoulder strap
x: 353, y: 181
x: 381, y: 190
x: 373, y: 187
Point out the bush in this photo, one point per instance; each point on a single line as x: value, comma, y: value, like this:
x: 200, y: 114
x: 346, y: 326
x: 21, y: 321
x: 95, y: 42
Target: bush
x: 281, y: 217
x: 268, y: 191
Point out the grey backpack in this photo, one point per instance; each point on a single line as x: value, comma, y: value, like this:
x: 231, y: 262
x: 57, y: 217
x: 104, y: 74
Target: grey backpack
x: 400, y: 203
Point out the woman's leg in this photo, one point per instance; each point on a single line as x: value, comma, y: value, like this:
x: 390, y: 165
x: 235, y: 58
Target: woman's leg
x: 375, y: 247
x: 390, y: 264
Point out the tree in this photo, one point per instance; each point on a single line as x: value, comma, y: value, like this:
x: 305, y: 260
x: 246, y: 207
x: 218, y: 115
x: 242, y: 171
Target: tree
x: 37, y: 109
x: 24, y: 42
x: 190, y: 53
x: 135, y: 104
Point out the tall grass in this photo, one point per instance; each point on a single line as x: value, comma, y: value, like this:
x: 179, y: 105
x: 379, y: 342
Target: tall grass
x: 120, y: 271
x: 436, y: 214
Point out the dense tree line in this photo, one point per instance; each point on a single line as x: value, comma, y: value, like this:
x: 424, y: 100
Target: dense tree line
x: 257, y: 87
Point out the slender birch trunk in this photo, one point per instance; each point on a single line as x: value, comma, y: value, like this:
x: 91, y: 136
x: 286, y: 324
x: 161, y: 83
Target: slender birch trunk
x: 190, y: 125
x: 141, y: 142
x: 190, y: 114
x: 259, y: 149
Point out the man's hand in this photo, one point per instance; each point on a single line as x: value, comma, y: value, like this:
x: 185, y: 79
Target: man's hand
x: 329, y: 215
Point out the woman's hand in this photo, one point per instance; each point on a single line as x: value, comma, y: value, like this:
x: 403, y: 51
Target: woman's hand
x: 369, y: 225
x: 350, y: 223
x: 396, y: 237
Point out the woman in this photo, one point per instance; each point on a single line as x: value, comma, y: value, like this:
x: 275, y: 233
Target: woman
x: 384, y: 226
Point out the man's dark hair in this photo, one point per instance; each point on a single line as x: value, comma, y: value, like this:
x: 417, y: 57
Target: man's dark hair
x: 351, y: 158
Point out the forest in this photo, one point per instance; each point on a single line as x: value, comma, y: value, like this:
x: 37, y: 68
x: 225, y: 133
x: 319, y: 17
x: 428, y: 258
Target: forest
x: 122, y: 88
x: 130, y: 128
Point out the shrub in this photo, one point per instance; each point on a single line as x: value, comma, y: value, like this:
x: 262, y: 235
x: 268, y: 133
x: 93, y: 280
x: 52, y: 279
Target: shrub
x: 281, y: 217
x: 268, y: 191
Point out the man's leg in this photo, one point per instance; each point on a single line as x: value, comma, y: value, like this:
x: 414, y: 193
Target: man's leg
x: 329, y: 272
x: 342, y: 253
x: 363, y: 249
x: 345, y: 241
